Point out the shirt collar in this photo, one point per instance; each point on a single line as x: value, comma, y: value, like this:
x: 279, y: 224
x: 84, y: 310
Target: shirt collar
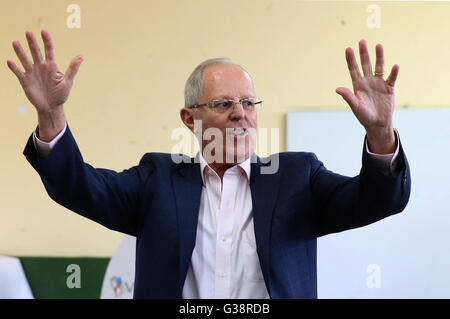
x: 244, y: 166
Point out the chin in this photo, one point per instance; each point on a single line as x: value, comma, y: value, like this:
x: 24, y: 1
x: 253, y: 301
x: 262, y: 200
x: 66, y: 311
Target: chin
x: 240, y: 151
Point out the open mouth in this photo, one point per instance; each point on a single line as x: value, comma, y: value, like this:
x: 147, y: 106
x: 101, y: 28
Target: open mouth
x: 238, y: 131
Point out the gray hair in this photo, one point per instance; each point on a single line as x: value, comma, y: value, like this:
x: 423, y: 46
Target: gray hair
x: 193, y: 90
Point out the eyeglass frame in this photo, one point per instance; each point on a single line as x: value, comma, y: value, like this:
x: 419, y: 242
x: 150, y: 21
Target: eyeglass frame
x: 211, y: 104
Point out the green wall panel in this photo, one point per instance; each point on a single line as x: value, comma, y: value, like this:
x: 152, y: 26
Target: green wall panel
x: 48, y: 276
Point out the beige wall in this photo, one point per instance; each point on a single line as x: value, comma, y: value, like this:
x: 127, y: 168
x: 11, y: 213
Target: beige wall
x: 138, y: 54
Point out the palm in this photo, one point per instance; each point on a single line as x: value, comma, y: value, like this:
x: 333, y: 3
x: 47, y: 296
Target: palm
x: 41, y: 87
x: 375, y: 101
x: 43, y: 84
x: 372, y: 99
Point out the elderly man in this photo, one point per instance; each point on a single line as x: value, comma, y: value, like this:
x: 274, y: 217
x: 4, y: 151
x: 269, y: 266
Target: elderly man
x: 216, y: 226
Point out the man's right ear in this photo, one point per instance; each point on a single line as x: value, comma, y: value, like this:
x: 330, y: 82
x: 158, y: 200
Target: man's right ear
x: 187, y: 116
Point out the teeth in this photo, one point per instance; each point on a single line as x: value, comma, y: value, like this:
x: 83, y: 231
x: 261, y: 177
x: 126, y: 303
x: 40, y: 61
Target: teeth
x: 238, y: 131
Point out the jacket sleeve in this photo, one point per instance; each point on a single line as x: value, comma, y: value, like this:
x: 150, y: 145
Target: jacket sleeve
x: 102, y: 195
x: 342, y: 203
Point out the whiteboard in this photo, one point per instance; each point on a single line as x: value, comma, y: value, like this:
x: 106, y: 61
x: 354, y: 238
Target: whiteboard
x: 402, y: 256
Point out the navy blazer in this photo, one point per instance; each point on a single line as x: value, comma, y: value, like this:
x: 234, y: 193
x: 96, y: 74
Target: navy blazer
x: 158, y: 202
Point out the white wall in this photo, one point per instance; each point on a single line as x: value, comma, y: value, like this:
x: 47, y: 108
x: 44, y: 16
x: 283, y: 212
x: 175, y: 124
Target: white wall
x: 409, y: 252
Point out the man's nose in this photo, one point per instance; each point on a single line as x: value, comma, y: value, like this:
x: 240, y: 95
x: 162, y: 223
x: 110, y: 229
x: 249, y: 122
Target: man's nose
x: 238, y: 111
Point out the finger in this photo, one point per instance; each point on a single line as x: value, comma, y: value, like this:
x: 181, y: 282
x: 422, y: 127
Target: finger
x: 352, y: 65
x: 365, y: 59
x: 73, y: 67
x: 34, y: 47
x: 348, y: 96
x: 26, y: 63
x: 393, y: 76
x: 15, y: 69
x: 379, y: 64
x: 48, y: 45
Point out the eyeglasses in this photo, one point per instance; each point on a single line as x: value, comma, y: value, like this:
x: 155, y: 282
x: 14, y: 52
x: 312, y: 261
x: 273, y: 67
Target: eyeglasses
x: 223, y: 106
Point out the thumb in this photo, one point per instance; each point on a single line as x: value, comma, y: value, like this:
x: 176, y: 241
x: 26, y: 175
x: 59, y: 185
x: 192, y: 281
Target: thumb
x: 73, y: 68
x: 348, y: 96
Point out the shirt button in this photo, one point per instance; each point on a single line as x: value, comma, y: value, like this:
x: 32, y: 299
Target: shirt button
x: 224, y: 238
x: 222, y: 275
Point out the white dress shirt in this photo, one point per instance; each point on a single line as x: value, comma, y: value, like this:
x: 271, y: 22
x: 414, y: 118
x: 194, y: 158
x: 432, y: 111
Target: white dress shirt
x: 224, y: 261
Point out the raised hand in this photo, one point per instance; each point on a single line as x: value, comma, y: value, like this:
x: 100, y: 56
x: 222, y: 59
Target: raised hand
x: 372, y: 99
x: 44, y: 85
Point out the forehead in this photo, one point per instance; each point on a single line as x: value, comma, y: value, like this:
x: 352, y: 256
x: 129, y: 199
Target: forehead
x: 226, y: 80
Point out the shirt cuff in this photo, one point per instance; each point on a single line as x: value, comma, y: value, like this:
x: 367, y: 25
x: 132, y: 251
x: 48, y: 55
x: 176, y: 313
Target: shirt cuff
x: 44, y: 148
x: 386, y: 162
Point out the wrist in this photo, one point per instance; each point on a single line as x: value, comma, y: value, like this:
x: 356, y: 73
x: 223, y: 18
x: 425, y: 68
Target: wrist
x: 51, y: 123
x: 382, y: 140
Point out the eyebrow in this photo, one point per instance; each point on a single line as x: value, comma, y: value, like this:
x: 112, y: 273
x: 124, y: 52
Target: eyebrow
x: 227, y: 97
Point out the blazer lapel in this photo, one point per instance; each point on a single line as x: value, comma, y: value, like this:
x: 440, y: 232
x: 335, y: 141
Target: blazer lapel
x: 187, y: 184
x: 264, y: 190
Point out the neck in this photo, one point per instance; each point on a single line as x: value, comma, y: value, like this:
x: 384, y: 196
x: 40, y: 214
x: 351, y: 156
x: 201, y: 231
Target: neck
x: 221, y: 168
